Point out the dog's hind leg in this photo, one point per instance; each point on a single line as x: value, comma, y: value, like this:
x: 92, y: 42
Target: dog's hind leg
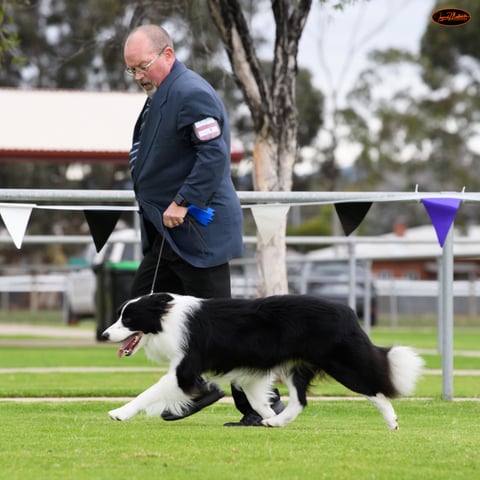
x: 297, y: 380
x: 163, y: 394
x: 351, y: 379
x: 365, y: 370
x: 386, y: 409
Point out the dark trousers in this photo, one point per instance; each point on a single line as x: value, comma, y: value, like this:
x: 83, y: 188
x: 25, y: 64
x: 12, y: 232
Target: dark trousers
x: 175, y: 275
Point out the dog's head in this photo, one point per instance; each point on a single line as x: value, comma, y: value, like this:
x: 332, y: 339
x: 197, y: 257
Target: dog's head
x: 136, y: 318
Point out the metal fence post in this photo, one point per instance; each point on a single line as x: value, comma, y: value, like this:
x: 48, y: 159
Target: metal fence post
x: 446, y: 315
x: 367, y: 310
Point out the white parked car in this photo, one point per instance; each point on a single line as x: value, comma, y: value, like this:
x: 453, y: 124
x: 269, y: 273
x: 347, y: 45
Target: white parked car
x: 81, y: 288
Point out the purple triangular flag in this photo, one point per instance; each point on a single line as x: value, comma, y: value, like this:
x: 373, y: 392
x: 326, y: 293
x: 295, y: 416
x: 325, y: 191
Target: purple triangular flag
x: 101, y: 224
x: 351, y: 214
x: 442, y: 212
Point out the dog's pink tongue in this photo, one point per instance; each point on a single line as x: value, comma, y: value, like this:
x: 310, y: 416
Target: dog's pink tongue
x: 127, y: 346
x: 124, y: 348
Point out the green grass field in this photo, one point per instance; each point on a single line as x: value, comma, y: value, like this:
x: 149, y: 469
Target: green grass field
x: 74, y: 438
x: 332, y: 440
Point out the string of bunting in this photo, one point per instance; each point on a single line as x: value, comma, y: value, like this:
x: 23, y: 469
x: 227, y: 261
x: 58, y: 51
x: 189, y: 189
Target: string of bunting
x: 269, y: 218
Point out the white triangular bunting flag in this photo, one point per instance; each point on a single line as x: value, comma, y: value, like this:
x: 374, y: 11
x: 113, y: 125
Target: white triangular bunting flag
x: 268, y: 219
x: 16, y: 217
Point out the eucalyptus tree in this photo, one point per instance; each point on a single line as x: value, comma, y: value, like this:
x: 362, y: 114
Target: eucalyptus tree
x: 271, y: 101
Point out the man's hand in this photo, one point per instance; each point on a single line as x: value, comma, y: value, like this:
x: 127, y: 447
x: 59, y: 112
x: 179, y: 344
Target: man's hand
x: 174, y: 215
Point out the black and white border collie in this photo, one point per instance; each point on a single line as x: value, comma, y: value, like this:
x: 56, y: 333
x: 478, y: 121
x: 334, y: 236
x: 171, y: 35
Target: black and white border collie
x: 252, y: 343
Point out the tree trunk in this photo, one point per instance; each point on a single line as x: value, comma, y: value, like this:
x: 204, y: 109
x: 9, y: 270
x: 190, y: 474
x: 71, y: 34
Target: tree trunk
x: 273, y: 109
x: 271, y: 256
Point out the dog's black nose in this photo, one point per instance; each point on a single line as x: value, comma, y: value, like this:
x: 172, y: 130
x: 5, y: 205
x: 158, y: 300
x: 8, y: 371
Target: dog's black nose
x: 105, y: 336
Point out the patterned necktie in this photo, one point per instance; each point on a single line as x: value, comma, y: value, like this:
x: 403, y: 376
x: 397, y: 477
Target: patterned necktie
x: 136, y: 144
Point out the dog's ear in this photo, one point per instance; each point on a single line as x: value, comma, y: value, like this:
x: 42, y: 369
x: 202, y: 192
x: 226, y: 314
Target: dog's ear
x: 160, y: 300
x: 159, y: 303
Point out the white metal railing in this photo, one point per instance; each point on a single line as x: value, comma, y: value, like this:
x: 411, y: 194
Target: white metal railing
x: 445, y: 311
x: 246, y: 197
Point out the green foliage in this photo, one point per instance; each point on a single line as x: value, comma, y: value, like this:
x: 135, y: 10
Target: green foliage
x: 310, y: 103
x: 9, y: 39
x: 319, y: 224
x: 69, y: 44
x: 444, y: 46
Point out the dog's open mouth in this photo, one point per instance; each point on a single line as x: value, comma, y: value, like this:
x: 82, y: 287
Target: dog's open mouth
x: 129, y: 345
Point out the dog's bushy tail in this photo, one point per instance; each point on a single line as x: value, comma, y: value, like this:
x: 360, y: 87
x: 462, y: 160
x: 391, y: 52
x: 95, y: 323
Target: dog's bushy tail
x: 405, y: 369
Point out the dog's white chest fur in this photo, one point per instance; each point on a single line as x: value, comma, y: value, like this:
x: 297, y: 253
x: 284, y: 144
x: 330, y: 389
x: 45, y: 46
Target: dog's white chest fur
x: 170, y: 342
x: 160, y: 349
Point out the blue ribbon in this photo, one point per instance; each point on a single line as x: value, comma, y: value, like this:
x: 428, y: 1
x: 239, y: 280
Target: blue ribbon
x: 200, y: 215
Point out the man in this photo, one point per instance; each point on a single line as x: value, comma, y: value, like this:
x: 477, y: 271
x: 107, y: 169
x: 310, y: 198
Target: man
x: 180, y: 157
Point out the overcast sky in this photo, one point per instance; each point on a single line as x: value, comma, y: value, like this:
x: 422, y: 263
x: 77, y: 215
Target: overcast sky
x: 335, y: 43
x: 344, y: 38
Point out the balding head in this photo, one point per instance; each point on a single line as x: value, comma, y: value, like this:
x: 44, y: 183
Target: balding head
x: 156, y: 36
x: 149, y: 55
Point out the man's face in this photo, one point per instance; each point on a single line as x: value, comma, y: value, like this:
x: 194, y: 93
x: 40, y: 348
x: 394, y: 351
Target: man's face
x: 148, y: 67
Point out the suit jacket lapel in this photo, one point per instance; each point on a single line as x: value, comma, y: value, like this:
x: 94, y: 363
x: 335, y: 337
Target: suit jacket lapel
x: 155, y: 116
x: 137, y: 131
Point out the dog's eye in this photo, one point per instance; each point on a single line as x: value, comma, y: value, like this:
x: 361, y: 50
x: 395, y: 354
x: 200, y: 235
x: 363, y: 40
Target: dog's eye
x: 121, y: 315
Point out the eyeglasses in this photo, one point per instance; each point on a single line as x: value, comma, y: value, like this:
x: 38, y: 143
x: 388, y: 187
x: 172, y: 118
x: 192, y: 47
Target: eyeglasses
x: 144, y: 68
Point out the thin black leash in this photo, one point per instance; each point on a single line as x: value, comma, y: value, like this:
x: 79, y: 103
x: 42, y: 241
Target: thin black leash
x: 158, y: 264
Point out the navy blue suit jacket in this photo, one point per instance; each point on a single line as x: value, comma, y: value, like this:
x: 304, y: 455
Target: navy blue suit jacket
x: 171, y: 160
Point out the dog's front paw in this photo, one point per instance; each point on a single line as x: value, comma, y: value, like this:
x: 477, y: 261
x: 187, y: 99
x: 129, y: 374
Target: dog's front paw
x: 121, y: 414
x: 392, y: 424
